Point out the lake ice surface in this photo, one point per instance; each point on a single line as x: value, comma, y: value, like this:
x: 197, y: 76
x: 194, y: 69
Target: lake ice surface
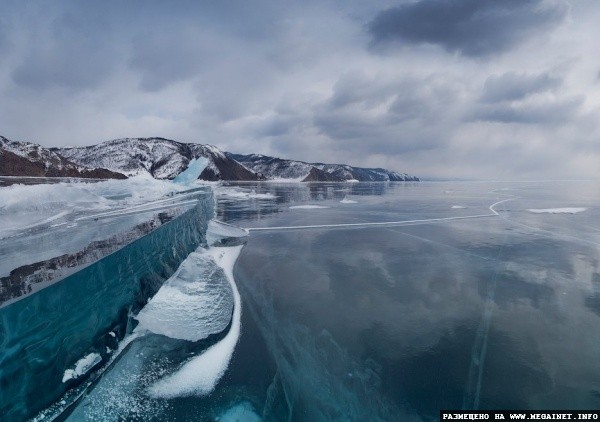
x: 475, y: 308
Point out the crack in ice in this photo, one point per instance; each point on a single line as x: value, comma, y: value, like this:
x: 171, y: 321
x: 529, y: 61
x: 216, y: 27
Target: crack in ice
x: 383, y: 223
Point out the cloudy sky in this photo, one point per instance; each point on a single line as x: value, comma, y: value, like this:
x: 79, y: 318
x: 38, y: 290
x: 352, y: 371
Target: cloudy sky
x: 492, y: 89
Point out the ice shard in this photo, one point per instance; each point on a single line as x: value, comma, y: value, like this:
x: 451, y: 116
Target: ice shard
x: 192, y: 173
x: 99, y: 263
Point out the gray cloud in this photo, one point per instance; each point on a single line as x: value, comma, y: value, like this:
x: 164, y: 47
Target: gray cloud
x: 548, y: 113
x: 399, y: 97
x: 471, y: 27
x: 300, y: 80
x: 3, y: 36
x: 390, y: 116
x: 162, y: 58
x: 525, y: 98
x: 511, y: 86
x: 278, y: 126
x: 72, y: 53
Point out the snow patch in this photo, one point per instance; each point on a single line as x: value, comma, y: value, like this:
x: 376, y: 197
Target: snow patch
x: 307, y: 207
x: 243, y: 194
x: 240, y: 412
x: 287, y: 179
x: 346, y: 200
x: 82, y: 366
x: 556, y: 210
x: 214, y: 150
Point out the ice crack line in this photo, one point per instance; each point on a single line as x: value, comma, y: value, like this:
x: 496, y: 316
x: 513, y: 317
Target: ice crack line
x: 383, y: 223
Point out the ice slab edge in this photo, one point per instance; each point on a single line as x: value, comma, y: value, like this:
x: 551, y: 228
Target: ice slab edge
x: 200, y: 375
x: 46, y: 333
x: 192, y: 304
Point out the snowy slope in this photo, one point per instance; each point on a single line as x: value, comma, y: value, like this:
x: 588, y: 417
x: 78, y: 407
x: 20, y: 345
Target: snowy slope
x: 159, y: 157
x: 274, y: 168
x: 28, y: 159
x: 277, y: 168
x: 165, y: 159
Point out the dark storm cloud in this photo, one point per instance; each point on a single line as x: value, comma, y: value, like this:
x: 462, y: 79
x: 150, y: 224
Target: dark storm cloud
x: 513, y: 86
x: 471, y: 27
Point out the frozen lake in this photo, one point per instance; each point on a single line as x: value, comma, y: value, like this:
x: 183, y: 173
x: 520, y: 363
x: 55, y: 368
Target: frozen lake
x: 370, y: 301
x: 401, y: 321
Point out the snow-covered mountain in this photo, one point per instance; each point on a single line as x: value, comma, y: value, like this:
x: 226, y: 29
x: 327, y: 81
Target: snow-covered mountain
x: 165, y: 159
x: 28, y: 159
x: 277, y: 168
x: 159, y: 157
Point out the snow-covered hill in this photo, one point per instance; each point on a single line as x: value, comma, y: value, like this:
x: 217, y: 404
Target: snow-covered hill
x: 277, y: 168
x: 165, y: 159
x: 159, y: 157
x: 28, y: 159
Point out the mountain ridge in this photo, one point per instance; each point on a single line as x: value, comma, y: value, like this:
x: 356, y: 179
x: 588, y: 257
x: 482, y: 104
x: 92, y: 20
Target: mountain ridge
x: 164, y: 158
x: 160, y: 157
x: 273, y: 167
x: 29, y: 159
